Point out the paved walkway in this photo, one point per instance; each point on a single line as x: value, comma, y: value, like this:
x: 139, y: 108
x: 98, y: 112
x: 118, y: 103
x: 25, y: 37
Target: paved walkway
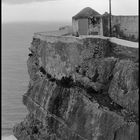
x: 124, y: 42
x: 112, y: 39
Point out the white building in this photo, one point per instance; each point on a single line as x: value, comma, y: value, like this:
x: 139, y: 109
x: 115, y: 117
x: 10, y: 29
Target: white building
x: 87, y: 22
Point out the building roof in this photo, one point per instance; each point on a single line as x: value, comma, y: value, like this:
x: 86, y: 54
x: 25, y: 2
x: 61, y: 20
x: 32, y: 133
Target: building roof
x: 86, y: 13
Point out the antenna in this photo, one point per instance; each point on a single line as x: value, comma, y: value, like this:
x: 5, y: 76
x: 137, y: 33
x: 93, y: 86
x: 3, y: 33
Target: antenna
x: 110, y: 31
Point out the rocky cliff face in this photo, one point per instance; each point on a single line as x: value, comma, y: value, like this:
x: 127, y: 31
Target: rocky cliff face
x: 80, y: 89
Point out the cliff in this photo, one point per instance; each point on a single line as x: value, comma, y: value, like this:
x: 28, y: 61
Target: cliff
x: 80, y: 88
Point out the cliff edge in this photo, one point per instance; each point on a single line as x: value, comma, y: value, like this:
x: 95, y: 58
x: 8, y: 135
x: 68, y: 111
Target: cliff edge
x: 80, y: 88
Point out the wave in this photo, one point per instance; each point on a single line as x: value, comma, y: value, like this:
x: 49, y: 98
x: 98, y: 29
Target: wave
x: 11, y: 137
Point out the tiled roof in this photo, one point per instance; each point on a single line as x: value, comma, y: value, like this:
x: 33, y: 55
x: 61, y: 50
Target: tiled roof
x: 86, y: 13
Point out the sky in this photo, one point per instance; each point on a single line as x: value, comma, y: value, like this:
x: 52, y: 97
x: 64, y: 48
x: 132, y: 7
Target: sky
x: 61, y: 10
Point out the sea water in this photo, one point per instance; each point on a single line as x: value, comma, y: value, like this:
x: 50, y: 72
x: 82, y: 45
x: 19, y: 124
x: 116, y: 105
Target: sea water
x: 11, y: 137
x: 16, y: 39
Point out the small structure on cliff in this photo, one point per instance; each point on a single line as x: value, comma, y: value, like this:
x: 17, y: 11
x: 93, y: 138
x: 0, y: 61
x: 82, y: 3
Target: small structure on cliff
x: 87, y: 22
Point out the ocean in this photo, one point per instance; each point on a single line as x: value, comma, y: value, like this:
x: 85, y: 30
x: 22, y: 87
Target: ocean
x: 16, y: 39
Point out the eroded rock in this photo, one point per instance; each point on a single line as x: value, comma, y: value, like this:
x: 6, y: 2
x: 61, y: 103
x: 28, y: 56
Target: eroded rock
x: 124, y: 88
x: 80, y: 89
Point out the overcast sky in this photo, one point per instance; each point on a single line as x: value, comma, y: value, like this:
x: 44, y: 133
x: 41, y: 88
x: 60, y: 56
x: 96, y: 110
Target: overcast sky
x: 61, y: 10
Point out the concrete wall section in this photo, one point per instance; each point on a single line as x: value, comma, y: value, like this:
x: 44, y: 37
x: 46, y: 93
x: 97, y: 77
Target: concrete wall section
x: 75, y: 27
x: 125, y: 26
